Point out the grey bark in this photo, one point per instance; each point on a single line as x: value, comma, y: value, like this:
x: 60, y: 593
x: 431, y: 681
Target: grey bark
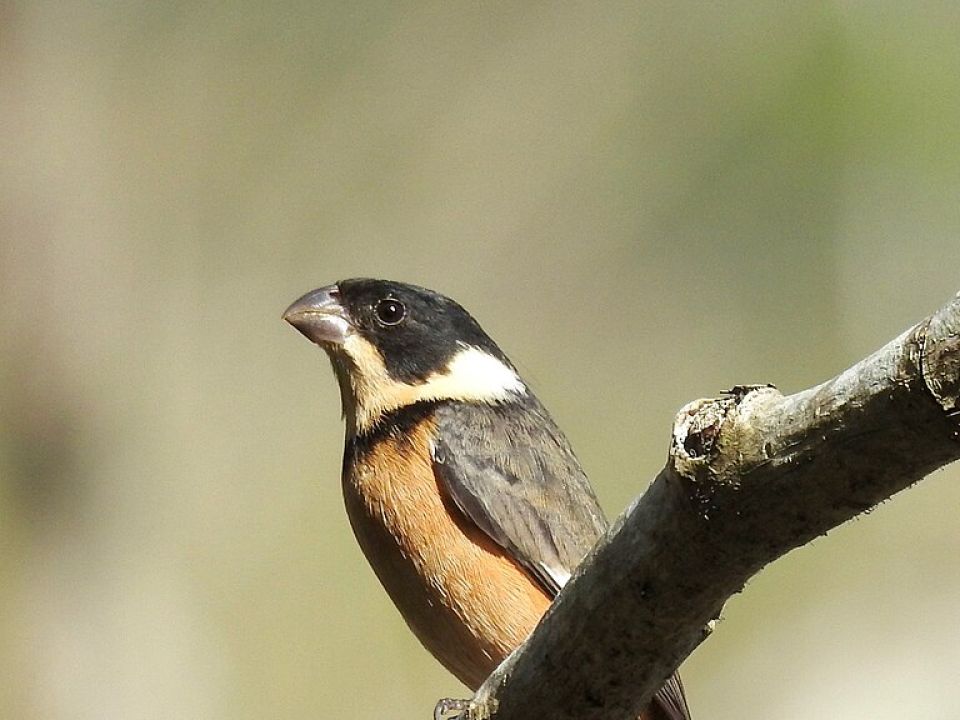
x: 750, y: 476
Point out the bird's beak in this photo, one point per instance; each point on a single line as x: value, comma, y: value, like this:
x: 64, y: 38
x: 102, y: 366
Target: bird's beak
x: 320, y: 316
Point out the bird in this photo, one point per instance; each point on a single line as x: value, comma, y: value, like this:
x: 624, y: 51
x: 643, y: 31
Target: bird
x: 463, y: 493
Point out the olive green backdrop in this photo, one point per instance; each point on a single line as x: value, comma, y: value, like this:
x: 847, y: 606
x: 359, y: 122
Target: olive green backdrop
x: 645, y: 203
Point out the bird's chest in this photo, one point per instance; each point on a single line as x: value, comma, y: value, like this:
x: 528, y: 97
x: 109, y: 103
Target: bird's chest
x: 467, y: 601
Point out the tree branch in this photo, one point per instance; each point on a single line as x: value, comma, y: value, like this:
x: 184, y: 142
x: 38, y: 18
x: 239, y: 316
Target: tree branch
x: 750, y: 476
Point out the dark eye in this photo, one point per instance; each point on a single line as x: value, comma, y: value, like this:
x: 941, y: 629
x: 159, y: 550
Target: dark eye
x: 390, y: 311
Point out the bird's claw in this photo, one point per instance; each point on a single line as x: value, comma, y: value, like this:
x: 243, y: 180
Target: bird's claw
x: 451, y: 709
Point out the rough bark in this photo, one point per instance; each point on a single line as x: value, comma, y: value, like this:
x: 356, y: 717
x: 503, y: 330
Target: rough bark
x: 750, y: 476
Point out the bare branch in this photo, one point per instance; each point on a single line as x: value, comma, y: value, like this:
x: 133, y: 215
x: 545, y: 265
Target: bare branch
x: 750, y: 476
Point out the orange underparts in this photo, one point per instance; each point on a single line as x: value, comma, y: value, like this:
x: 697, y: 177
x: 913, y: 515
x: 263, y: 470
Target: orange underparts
x: 464, y: 597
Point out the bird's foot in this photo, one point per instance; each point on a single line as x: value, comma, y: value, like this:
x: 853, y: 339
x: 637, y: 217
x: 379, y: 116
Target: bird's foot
x: 452, y: 709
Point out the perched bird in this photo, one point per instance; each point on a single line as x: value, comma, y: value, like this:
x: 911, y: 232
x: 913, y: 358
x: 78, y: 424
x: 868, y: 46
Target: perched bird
x: 464, y: 495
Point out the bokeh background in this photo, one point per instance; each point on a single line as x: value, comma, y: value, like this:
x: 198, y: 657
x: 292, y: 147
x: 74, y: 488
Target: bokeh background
x: 643, y: 202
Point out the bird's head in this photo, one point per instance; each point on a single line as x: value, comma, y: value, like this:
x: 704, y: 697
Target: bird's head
x: 393, y: 345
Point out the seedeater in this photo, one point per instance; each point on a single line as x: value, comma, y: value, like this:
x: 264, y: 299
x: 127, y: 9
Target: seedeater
x: 463, y: 493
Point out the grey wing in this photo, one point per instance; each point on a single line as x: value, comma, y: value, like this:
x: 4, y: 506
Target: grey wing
x: 512, y: 472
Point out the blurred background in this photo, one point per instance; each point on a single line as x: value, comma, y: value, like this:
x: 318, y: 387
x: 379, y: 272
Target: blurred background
x: 644, y: 203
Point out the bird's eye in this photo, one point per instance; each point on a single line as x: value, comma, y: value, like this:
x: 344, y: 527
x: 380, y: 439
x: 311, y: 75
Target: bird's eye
x: 390, y: 311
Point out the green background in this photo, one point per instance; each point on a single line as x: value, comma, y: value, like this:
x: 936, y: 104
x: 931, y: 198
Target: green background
x: 644, y: 203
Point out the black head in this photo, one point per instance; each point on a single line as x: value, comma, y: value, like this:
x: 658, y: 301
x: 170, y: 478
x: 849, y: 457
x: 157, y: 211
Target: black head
x: 416, y: 330
x: 393, y: 343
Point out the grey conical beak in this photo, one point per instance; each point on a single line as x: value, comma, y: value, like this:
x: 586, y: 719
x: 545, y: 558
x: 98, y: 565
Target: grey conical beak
x: 320, y: 316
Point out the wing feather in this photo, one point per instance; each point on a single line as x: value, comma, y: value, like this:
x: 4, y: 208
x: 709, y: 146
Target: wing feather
x: 512, y: 472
